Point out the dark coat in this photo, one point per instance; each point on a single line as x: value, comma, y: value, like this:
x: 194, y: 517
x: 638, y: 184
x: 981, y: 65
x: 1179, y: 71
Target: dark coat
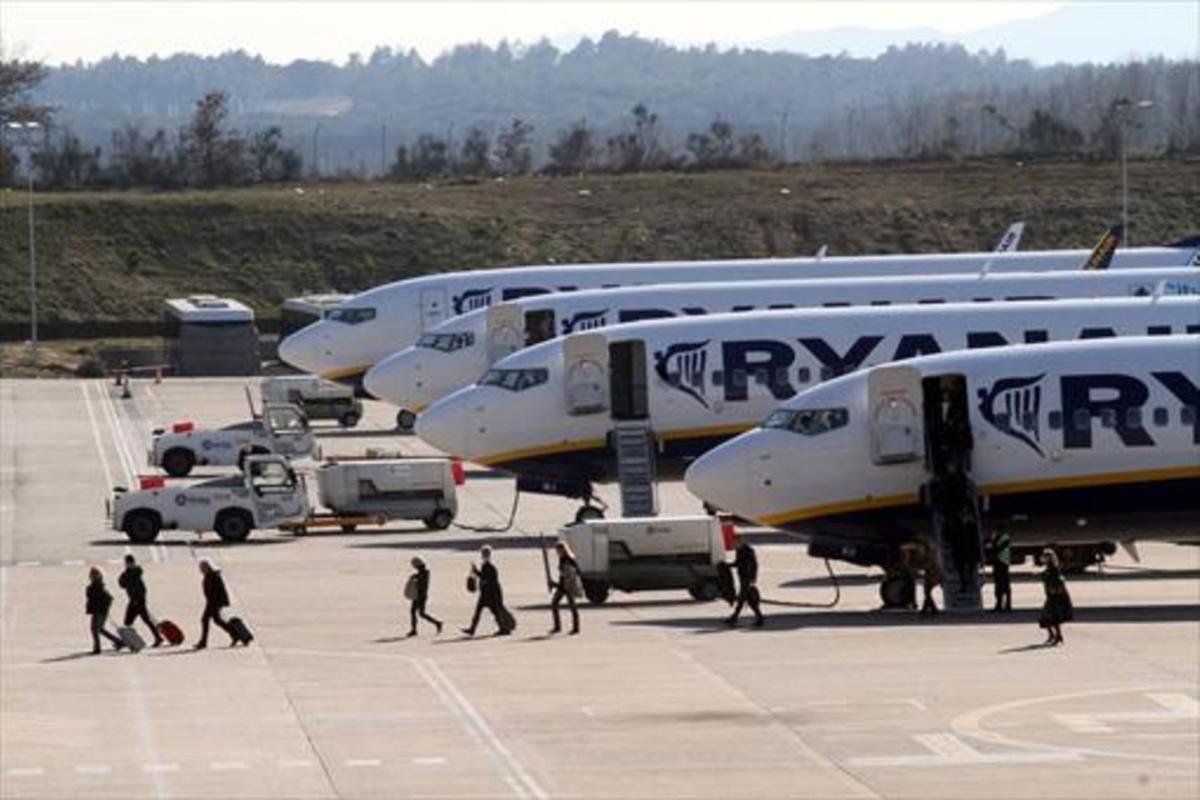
x: 98, y: 599
x: 567, y: 568
x: 489, y: 584
x: 131, y: 581
x: 746, y: 564
x: 1058, y: 607
x: 215, y: 595
x: 422, y: 584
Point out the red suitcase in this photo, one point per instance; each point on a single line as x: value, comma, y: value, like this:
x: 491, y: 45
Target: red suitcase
x: 170, y: 631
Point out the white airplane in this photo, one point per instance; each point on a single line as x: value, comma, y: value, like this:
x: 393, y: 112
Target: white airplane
x: 547, y: 413
x: 460, y: 350
x: 1068, y: 443
x: 371, y: 326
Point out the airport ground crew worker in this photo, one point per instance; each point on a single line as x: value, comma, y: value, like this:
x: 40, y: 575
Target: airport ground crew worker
x: 216, y: 597
x: 745, y: 563
x: 135, y: 587
x: 1001, y: 568
x: 491, y: 595
x: 1058, y: 608
x: 569, y: 587
x: 417, y: 591
x: 99, y: 601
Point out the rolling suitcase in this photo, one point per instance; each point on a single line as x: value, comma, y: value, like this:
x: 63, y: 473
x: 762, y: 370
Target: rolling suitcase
x: 239, y: 629
x: 508, y: 623
x: 170, y: 632
x: 131, y: 638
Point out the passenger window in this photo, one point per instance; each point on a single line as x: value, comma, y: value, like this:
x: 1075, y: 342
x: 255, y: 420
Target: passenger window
x: 1133, y: 417
x: 1187, y: 415
x: 1108, y: 418
x: 718, y: 378
x: 1055, y: 420
x: 1162, y: 417
x: 827, y: 373
x: 1083, y: 420
x: 804, y: 375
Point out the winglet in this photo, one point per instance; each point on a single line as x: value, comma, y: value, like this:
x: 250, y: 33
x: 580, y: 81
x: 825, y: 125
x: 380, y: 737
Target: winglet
x: 820, y: 255
x: 1008, y: 243
x: 1102, y: 254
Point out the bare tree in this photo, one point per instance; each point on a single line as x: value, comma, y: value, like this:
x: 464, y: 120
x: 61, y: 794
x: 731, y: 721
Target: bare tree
x: 572, y: 152
x: 513, y: 153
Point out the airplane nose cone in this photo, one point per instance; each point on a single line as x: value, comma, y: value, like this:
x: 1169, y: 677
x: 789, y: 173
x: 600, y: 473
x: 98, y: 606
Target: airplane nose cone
x: 302, y: 349
x: 446, y: 424
x: 719, y: 477
x: 384, y: 382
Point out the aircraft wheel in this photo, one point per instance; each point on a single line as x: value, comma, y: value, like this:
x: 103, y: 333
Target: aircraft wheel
x: 588, y: 514
x: 406, y: 421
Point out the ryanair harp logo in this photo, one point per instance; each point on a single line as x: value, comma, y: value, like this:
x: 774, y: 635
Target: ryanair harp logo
x: 584, y: 321
x: 472, y: 300
x: 683, y: 366
x: 1013, y: 406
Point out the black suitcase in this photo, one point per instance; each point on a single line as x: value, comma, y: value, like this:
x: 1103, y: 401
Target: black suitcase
x: 239, y: 629
x: 508, y: 623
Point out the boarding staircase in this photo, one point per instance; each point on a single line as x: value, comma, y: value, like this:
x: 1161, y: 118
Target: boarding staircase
x: 959, y: 592
x: 635, y: 447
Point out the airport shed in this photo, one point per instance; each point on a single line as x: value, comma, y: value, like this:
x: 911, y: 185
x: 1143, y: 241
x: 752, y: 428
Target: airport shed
x: 208, y: 335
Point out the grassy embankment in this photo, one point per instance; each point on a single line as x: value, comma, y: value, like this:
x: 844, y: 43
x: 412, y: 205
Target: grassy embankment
x: 116, y: 255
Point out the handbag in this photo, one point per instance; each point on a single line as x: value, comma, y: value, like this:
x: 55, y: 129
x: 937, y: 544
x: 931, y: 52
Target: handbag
x: 410, y: 588
x: 472, y: 583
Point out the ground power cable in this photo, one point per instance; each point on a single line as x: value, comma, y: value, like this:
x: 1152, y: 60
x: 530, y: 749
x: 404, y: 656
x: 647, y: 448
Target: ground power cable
x: 837, y: 590
x: 512, y: 517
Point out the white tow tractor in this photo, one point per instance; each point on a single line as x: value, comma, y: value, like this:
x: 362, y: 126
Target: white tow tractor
x: 316, y: 397
x: 280, y: 429
x: 268, y: 494
x: 649, y: 553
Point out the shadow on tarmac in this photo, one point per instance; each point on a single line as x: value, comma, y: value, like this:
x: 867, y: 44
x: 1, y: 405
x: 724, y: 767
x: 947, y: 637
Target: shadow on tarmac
x: 505, y: 541
x: 1110, y: 574
x: 207, y: 544
x: 892, y: 619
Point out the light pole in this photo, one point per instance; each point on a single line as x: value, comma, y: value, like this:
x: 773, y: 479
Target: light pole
x: 25, y: 132
x: 1125, y: 108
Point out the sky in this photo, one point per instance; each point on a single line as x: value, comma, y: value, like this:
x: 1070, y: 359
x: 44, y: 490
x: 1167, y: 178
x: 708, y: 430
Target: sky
x: 57, y: 31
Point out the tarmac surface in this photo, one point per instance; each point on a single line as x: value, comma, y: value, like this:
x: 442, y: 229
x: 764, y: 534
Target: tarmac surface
x: 656, y: 697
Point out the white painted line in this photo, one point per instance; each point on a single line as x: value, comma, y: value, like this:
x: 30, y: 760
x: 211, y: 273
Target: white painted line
x: 947, y: 750
x: 29, y: 563
x: 93, y: 769
x: 228, y: 766
x: 157, y: 768
x: 25, y: 772
x: 295, y: 763
x: 1174, y: 707
x: 429, y: 761
x: 87, y: 402
x: 362, y: 762
x: 73, y: 562
x: 521, y: 781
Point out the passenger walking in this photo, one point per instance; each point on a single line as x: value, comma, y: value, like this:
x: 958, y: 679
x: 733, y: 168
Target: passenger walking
x: 99, y: 601
x: 216, y: 597
x: 134, y: 584
x: 569, y: 587
x: 1058, y: 608
x: 1001, y: 568
x: 417, y: 591
x: 491, y: 595
x: 745, y: 563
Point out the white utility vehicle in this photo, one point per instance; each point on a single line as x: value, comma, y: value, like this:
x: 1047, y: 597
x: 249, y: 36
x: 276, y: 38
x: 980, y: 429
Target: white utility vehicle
x: 649, y: 553
x: 387, y: 489
x: 281, y: 429
x: 316, y: 397
x: 267, y: 495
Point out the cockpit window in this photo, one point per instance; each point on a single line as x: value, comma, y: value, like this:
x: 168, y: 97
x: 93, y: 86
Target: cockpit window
x: 515, y: 380
x: 446, y: 342
x: 351, y: 316
x: 808, y: 421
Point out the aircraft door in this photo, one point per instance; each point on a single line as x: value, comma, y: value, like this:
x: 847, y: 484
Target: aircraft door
x: 434, y: 309
x: 627, y: 371
x: 585, y: 371
x: 505, y: 331
x: 948, y: 438
x: 894, y: 404
x: 539, y: 326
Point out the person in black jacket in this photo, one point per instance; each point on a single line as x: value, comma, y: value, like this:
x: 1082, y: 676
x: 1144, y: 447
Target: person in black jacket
x: 419, y: 581
x: 99, y: 601
x: 1058, y: 607
x: 491, y: 596
x: 745, y: 562
x: 216, y: 597
x: 566, y: 588
x: 135, y: 587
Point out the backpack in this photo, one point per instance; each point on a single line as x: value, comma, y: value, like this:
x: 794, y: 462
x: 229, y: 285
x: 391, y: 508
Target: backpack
x: 410, y: 587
